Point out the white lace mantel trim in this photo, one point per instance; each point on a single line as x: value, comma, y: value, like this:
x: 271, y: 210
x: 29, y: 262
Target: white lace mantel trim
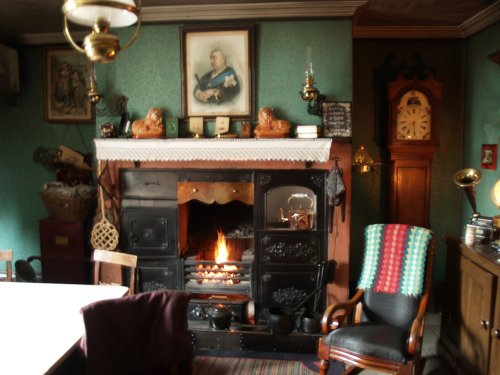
x: 180, y: 149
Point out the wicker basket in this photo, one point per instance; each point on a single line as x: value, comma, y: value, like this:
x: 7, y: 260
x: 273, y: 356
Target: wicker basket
x: 68, y: 208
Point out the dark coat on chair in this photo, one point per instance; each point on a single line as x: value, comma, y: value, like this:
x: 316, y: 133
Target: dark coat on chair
x: 142, y: 334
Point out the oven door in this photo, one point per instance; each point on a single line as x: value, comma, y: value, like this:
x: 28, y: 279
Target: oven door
x: 149, y: 231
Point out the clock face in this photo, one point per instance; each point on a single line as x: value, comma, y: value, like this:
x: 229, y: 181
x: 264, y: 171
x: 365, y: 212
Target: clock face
x: 414, y: 117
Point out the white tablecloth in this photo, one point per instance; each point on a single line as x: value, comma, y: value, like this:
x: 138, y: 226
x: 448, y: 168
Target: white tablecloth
x: 187, y: 149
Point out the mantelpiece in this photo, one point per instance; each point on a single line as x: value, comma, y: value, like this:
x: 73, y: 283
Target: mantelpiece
x: 239, y: 154
x: 215, y: 149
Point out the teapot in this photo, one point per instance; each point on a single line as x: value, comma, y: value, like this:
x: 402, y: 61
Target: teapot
x: 301, y: 213
x: 219, y: 314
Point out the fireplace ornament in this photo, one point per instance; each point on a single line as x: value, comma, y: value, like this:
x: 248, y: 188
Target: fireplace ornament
x: 269, y: 126
x: 149, y: 127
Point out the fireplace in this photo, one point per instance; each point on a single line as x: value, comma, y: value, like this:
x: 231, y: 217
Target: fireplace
x: 171, y: 215
x: 270, y: 261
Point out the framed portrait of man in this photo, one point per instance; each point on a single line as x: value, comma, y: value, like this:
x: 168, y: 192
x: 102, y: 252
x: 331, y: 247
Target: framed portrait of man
x: 65, y: 80
x: 217, y: 71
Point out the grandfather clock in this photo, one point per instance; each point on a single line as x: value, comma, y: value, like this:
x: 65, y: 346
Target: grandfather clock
x: 413, y: 140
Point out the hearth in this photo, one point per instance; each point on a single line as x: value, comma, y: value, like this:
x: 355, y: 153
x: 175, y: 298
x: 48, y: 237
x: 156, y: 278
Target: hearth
x: 228, y: 237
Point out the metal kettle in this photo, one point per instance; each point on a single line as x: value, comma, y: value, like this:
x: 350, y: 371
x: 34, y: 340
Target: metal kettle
x: 301, y: 213
x: 219, y: 314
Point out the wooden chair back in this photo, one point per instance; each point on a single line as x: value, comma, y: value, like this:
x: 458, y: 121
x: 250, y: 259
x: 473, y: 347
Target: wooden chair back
x: 6, y: 256
x: 112, y: 257
x: 351, y: 312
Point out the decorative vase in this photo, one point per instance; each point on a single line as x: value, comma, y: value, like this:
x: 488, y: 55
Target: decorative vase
x: 125, y: 125
x: 125, y: 128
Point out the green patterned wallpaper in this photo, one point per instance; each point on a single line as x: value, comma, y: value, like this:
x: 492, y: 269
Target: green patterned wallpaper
x: 482, y: 121
x: 149, y: 74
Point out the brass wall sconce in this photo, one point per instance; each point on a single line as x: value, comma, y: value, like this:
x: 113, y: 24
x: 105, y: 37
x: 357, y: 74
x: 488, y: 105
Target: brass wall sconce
x: 363, y: 160
x: 311, y: 94
x: 101, y: 15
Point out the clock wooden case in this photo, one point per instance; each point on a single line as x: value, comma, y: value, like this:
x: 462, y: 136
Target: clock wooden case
x: 414, y: 111
x: 413, y: 131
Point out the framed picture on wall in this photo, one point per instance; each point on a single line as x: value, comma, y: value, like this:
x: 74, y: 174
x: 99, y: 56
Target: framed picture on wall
x: 66, y: 73
x: 337, y: 119
x: 9, y: 70
x: 217, y: 72
x: 489, y: 156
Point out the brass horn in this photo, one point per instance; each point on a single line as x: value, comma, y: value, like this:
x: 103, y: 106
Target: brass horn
x: 468, y: 178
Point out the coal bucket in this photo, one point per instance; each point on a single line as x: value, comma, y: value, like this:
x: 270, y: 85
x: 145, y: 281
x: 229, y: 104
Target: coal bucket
x: 280, y: 320
x: 311, y: 322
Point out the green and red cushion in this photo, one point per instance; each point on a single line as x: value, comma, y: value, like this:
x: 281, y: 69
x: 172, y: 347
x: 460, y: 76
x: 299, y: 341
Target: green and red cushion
x: 394, y: 260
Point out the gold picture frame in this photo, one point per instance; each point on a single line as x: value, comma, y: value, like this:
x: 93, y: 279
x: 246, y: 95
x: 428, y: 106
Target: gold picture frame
x: 66, y: 73
x: 217, y: 72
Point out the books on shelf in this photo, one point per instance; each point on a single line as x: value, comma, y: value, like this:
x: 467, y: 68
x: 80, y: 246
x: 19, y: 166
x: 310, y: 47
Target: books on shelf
x: 310, y: 135
x: 307, y: 131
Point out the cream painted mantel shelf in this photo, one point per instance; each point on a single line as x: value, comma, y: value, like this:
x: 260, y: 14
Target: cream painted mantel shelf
x: 216, y: 149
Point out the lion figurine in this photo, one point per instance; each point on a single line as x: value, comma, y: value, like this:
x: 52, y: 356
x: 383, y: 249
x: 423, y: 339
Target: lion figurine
x: 269, y: 126
x: 150, y: 127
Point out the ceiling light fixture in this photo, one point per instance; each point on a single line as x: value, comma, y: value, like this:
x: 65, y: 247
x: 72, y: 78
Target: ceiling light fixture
x: 101, y: 15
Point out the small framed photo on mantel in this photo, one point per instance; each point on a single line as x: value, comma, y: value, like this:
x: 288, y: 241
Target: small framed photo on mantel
x: 196, y: 127
x: 337, y: 119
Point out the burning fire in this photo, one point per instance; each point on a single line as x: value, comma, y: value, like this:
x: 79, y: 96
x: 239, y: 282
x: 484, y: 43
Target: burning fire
x: 220, y: 272
x: 221, y: 250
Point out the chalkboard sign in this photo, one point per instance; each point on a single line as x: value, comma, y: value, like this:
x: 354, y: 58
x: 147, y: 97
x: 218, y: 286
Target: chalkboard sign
x: 337, y: 119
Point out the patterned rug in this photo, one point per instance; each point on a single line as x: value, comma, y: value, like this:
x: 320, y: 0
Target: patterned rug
x: 254, y: 366
x: 257, y: 363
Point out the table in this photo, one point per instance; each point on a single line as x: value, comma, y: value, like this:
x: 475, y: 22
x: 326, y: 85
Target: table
x: 41, y: 323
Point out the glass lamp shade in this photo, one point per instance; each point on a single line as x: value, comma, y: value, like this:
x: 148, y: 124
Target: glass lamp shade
x: 495, y: 194
x: 118, y: 13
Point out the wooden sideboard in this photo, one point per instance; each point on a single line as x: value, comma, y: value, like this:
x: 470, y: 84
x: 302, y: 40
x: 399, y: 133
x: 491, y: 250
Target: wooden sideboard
x: 470, y: 326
